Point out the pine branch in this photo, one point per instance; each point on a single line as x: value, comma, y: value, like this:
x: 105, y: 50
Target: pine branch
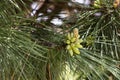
x: 48, y: 72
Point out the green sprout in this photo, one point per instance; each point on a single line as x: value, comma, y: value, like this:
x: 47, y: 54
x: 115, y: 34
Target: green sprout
x: 90, y: 40
x: 73, y: 42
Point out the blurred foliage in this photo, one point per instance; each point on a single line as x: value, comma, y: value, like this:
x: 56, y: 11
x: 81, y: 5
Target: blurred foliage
x: 32, y: 49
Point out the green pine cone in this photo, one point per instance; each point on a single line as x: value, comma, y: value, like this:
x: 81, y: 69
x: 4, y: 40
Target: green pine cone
x: 72, y: 45
x: 71, y: 52
x: 79, y: 45
x: 68, y: 41
x: 79, y: 41
x: 68, y: 47
x: 73, y: 39
x: 76, y: 50
x: 68, y: 36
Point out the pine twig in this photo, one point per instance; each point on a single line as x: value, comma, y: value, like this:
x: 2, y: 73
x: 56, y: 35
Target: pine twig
x: 48, y: 72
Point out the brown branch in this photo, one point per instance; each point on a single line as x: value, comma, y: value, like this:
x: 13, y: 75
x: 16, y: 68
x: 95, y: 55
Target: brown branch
x: 48, y: 73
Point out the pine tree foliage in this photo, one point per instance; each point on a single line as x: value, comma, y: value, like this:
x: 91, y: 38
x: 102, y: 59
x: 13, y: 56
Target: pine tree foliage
x: 31, y: 50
